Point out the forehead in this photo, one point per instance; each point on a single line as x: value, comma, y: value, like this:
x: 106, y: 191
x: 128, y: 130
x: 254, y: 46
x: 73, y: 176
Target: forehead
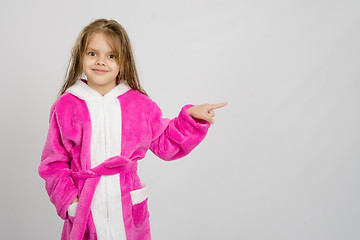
x: 99, y: 41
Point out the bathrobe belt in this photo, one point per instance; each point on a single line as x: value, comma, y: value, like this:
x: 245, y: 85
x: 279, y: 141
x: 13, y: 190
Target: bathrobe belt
x: 111, y: 166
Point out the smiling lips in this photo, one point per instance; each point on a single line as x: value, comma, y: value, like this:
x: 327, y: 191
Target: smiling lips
x: 100, y: 71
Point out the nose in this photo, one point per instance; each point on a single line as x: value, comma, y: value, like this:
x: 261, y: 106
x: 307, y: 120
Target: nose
x: 100, y: 62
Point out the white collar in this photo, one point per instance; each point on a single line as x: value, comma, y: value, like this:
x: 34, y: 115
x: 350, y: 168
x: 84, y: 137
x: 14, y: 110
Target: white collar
x: 85, y: 92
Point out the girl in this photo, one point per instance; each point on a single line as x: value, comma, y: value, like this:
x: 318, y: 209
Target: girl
x: 99, y: 128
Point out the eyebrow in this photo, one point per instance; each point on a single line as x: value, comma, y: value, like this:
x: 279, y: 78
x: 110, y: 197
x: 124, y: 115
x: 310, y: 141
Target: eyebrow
x: 93, y: 49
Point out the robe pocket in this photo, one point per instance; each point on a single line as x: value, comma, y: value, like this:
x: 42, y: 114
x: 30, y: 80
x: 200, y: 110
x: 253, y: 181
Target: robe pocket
x: 139, y: 200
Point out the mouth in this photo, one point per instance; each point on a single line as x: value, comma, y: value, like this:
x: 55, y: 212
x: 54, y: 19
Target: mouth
x: 100, y: 71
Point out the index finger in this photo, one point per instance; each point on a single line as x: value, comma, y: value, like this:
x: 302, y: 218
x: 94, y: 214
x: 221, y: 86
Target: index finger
x: 218, y: 105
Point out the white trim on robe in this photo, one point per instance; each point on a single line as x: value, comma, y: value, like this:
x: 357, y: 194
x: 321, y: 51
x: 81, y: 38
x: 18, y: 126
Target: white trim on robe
x: 105, y: 115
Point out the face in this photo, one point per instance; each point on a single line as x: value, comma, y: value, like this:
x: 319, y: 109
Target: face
x: 100, y: 64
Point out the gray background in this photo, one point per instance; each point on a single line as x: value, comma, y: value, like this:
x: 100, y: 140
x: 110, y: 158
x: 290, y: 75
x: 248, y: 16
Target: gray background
x: 281, y: 160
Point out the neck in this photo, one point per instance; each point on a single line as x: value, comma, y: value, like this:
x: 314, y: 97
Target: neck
x: 102, y: 89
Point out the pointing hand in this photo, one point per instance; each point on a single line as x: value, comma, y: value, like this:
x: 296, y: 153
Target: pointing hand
x: 205, y: 111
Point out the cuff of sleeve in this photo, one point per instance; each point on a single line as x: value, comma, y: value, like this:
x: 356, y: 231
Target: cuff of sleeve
x: 199, y: 124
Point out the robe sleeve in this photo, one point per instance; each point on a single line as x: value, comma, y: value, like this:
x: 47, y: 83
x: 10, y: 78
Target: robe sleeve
x: 175, y: 138
x: 55, y: 168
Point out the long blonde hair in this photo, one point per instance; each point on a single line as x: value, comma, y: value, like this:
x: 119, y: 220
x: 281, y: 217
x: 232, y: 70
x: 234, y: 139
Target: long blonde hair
x: 119, y: 42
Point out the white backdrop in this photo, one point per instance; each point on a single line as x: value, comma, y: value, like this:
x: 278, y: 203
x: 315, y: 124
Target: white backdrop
x: 281, y: 160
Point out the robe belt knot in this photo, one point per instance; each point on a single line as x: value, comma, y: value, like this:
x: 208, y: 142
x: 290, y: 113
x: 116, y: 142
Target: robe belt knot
x: 111, y: 166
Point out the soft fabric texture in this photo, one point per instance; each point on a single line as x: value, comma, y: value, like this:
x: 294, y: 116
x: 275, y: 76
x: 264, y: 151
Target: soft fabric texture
x: 91, y: 151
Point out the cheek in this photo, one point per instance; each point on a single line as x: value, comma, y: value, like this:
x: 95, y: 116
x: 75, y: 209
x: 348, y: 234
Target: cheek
x: 85, y: 68
x: 115, y: 67
x: 86, y: 62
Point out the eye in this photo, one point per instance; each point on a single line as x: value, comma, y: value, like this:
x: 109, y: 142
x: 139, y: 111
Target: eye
x: 112, y: 56
x: 91, y: 54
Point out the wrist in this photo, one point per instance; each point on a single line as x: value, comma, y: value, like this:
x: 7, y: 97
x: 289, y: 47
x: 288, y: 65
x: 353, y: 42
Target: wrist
x: 189, y: 111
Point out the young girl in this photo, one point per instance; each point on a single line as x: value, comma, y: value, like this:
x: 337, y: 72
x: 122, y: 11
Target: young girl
x: 99, y: 128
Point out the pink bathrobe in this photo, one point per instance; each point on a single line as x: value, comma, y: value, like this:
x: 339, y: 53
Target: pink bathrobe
x: 91, y: 151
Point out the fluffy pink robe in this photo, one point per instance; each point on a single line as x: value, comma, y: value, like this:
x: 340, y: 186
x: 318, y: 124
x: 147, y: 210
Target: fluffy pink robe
x: 68, y: 170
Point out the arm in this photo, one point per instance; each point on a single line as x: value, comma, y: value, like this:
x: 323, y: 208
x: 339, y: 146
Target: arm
x: 55, y: 168
x: 175, y: 138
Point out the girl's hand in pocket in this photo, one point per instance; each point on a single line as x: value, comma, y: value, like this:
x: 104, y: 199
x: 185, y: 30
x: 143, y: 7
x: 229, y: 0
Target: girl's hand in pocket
x: 75, y: 200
